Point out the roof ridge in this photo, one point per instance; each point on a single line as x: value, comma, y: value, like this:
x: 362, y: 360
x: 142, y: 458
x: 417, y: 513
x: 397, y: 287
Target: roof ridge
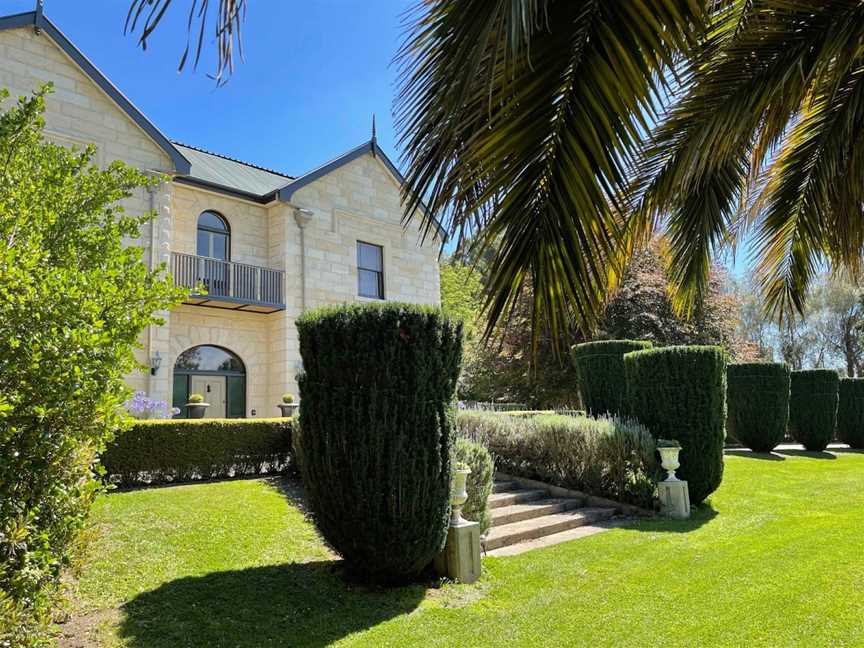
x: 232, y: 159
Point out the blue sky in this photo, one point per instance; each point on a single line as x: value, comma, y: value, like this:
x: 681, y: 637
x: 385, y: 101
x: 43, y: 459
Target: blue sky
x: 314, y: 73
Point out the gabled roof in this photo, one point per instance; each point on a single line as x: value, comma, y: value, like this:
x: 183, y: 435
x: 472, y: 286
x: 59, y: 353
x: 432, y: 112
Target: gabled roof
x: 223, y: 172
x: 41, y: 24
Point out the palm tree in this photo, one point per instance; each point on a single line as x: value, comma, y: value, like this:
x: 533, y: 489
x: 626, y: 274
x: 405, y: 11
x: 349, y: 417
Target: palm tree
x: 561, y: 133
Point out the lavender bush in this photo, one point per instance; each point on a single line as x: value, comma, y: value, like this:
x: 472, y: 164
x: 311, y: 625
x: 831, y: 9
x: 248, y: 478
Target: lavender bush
x: 141, y: 406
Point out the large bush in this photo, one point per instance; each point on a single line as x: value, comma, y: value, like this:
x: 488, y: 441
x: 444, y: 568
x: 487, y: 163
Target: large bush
x: 600, y: 371
x: 850, y: 412
x: 73, y: 302
x: 608, y: 457
x: 813, y: 407
x: 680, y: 393
x: 480, y: 480
x: 757, y: 400
x: 157, y: 451
x: 375, y: 438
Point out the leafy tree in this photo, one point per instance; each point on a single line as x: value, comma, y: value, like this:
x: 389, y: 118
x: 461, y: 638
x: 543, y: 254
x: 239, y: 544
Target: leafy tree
x: 641, y: 309
x: 73, y: 302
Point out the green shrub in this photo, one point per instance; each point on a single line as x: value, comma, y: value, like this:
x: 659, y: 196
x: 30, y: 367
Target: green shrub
x: 813, y: 407
x: 479, y: 487
x: 757, y: 400
x: 608, y: 457
x: 375, y: 439
x: 600, y: 371
x: 287, y: 398
x: 196, y: 398
x: 74, y: 300
x: 850, y: 412
x: 679, y: 393
x: 176, y: 450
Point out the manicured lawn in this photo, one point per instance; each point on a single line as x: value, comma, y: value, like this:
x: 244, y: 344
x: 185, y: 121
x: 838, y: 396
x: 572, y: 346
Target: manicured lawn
x: 777, y: 560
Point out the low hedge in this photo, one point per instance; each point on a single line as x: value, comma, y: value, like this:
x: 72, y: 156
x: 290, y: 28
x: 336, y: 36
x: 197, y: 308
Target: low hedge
x: 176, y: 450
x: 679, y: 393
x: 600, y: 372
x: 757, y: 401
x: 850, y: 412
x: 479, y: 484
x: 605, y: 456
x: 813, y: 407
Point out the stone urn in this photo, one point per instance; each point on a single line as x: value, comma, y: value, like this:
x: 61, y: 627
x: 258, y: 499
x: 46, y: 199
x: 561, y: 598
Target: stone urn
x: 196, y: 409
x: 458, y: 494
x: 669, y: 460
x: 288, y: 409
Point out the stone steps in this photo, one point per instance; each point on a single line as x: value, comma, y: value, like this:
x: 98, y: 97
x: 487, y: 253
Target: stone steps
x: 528, y: 518
x: 508, y: 498
x: 509, y: 534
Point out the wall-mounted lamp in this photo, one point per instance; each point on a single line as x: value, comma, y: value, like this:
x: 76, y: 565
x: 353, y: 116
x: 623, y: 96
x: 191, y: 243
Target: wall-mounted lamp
x: 155, y: 363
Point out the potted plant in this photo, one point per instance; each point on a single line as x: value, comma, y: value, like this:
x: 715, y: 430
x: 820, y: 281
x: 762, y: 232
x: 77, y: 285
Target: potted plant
x: 196, y: 406
x: 288, y: 406
x: 459, y: 492
x: 669, y: 449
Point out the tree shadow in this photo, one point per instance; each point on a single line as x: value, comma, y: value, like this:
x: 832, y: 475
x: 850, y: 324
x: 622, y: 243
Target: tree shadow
x: 848, y: 450
x: 699, y: 516
x: 750, y: 454
x: 810, y: 454
x: 297, y: 604
x: 291, y: 487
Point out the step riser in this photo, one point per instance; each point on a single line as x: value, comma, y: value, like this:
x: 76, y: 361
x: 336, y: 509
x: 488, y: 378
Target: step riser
x: 545, y: 530
x: 519, y: 497
x: 539, y: 511
x: 499, y: 486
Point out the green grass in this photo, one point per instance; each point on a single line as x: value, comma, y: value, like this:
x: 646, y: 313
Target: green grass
x: 776, y: 560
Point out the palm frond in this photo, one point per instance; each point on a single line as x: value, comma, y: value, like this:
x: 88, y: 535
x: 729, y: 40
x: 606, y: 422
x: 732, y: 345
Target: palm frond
x: 521, y: 120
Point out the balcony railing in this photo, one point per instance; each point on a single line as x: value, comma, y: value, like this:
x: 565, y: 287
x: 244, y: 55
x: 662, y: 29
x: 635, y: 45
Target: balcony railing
x: 237, y: 286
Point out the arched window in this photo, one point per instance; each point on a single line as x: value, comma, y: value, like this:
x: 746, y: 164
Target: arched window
x: 217, y: 374
x: 214, y: 236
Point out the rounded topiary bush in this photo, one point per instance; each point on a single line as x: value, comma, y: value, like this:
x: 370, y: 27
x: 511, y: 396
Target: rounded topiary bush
x: 600, y: 372
x: 813, y: 407
x: 679, y: 393
x: 850, y: 412
x: 757, y: 403
x: 375, y: 439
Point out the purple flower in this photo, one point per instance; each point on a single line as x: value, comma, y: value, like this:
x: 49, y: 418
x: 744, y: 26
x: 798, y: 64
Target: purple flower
x: 141, y: 406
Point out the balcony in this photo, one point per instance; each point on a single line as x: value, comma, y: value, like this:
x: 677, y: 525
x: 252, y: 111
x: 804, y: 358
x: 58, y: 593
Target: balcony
x: 231, y: 286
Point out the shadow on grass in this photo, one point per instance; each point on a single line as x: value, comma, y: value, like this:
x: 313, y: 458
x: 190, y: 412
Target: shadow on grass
x: 810, y: 454
x: 297, y: 604
x: 749, y: 454
x: 699, y: 516
x: 848, y: 450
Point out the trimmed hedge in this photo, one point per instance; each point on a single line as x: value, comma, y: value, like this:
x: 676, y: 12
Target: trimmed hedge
x: 813, y: 398
x: 176, y: 450
x: 375, y: 440
x: 850, y: 412
x: 607, y: 457
x: 757, y: 400
x: 600, y: 372
x: 679, y: 392
x: 479, y: 485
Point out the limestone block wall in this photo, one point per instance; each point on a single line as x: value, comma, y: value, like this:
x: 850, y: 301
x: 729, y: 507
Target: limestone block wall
x: 249, y: 223
x: 245, y: 334
x: 360, y: 202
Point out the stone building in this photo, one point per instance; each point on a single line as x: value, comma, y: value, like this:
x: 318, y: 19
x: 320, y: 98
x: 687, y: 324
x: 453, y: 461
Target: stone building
x: 265, y: 244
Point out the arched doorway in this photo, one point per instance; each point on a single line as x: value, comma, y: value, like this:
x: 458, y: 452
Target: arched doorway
x: 217, y: 374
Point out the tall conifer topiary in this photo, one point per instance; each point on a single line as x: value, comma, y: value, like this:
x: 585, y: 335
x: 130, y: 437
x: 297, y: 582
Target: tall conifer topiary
x: 813, y: 407
x: 757, y: 398
x: 679, y: 393
x: 850, y: 412
x: 375, y: 438
x: 600, y: 371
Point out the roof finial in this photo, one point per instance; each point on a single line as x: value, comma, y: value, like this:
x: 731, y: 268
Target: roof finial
x: 374, y: 140
x: 37, y: 22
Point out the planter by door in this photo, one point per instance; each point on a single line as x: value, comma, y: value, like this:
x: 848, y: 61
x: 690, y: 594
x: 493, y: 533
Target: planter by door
x: 196, y: 410
x: 288, y: 409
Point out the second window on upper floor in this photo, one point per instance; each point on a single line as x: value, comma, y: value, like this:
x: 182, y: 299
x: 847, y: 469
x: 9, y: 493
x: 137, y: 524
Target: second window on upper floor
x: 370, y: 270
x: 214, y: 236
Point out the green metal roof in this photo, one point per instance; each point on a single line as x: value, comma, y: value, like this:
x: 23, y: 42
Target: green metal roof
x: 228, y: 173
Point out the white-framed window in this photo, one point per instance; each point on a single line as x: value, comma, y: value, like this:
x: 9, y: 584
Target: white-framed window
x: 370, y: 270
